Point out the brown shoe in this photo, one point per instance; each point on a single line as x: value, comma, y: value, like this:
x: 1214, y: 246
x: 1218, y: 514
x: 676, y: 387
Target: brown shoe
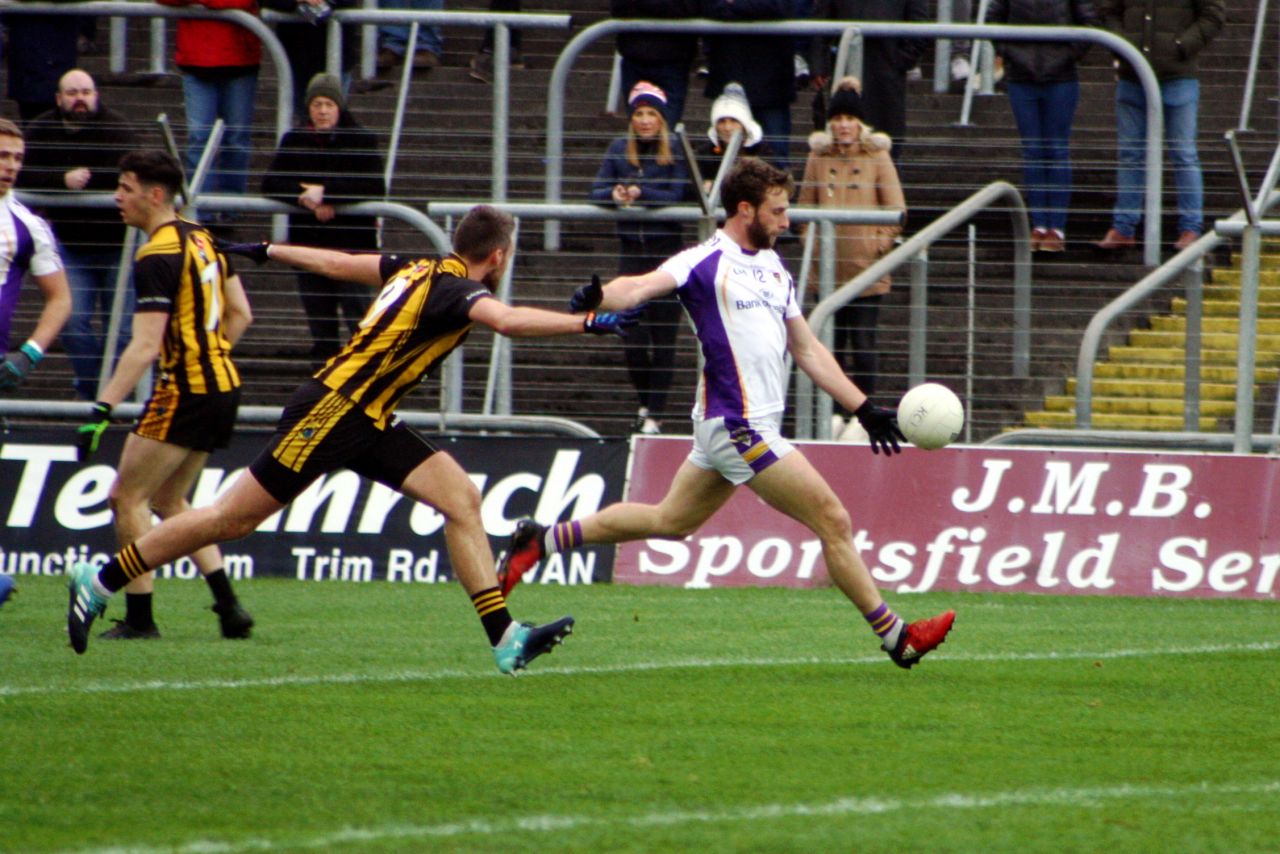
x: 1053, y: 241
x: 388, y: 58
x: 1185, y: 239
x: 1114, y: 241
x: 425, y: 60
x: 1037, y: 238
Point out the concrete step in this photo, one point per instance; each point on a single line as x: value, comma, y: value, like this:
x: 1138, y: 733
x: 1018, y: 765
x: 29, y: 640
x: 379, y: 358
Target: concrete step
x: 1266, y: 343
x: 1140, y: 406
x: 1154, y: 389
x: 1126, y: 353
x: 1178, y: 323
x: 1228, y: 307
x: 1116, y: 421
x: 1178, y: 372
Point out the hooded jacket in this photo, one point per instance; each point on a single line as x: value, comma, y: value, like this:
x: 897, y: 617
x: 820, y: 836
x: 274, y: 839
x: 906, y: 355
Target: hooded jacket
x: 206, y: 44
x: 863, y: 177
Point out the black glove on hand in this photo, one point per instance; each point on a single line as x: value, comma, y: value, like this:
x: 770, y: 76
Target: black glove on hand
x: 15, y: 367
x: 881, y: 425
x: 255, y: 252
x: 587, y: 297
x: 89, y: 436
x: 615, y: 322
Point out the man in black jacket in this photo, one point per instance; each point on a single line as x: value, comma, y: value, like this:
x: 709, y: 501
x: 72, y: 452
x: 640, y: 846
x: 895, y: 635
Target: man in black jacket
x: 663, y: 59
x: 75, y: 148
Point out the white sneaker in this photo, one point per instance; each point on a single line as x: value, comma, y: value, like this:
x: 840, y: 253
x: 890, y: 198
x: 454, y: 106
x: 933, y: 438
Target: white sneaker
x: 960, y: 68
x: 837, y: 426
x: 649, y: 427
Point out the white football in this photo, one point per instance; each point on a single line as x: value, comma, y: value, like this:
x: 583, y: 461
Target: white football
x: 930, y: 416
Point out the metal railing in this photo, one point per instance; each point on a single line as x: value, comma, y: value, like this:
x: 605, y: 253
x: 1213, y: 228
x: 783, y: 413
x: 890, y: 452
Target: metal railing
x: 870, y: 29
x: 914, y: 251
x: 1251, y: 75
x: 1189, y: 264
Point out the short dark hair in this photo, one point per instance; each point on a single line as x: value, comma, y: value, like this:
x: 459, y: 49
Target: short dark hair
x: 155, y: 168
x: 482, y: 230
x: 750, y: 180
x: 8, y: 128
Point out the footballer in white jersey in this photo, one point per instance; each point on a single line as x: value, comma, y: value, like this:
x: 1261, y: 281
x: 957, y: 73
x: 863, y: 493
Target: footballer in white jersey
x: 738, y: 301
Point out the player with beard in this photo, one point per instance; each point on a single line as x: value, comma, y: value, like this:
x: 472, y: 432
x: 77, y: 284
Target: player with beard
x: 75, y: 149
x: 343, y: 417
x: 746, y: 314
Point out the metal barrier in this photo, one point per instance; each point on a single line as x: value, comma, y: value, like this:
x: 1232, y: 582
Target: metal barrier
x: 1251, y: 75
x: 914, y: 250
x: 870, y: 29
x: 1189, y: 264
x: 438, y: 422
x: 1042, y: 436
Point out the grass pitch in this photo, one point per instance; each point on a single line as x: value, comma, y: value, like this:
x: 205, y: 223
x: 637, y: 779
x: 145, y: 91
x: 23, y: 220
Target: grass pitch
x: 371, y: 718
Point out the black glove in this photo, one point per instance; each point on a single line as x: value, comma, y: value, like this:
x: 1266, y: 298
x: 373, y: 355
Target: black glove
x: 89, y: 436
x: 881, y: 425
x: 587, y: 297
x: 255, y: 252
x: 15, y: 367
x: 615, y: 322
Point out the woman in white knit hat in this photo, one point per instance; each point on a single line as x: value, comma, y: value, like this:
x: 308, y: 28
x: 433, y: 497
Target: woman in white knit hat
x: 729, y: 113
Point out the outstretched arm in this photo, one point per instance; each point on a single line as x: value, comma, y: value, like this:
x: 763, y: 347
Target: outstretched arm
x: 363, y: 269
x: 629, y: 291
x: 527, y: 322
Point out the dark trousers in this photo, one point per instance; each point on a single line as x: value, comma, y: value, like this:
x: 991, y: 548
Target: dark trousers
x: 323, y: 299
x: 855, y: 341
x: 650, y: 345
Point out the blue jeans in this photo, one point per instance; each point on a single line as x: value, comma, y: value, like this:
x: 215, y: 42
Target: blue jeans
x: 231, y: 100
x: 1181, y: 100
x: 395, y: 37
x: 92, y: 277
x: 1044, y: 112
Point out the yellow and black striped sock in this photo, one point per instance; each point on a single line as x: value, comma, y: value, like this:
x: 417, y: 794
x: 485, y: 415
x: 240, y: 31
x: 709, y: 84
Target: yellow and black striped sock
x: 123, y: 568
x: 494, y: 616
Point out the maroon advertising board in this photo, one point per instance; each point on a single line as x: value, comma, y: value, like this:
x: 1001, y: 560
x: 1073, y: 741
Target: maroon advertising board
x: 969, y: 518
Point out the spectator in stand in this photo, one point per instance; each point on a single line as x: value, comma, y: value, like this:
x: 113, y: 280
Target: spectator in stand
x: 40, y: 49
x: 764, y: 65
x: 219, y: 62
x: 641, y: 169
x: 730, y: 112
x: 306, y: 44
x: 849, y: 167
x: 75, y: 148
x: 885, y: 61
x: 663, y: 59
x: 1044, y: 88
x: 482, y: 62
x: 331, y: 161
x: 393, y: 39
x: 1171, y: 34
x: 26, y: 246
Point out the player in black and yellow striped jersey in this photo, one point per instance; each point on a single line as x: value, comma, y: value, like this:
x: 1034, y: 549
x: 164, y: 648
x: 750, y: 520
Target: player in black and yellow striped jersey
x: 190, y: 310
x: 344, y: 418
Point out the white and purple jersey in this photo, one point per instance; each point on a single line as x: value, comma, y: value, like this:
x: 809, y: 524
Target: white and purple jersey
x: 739, y: 301
x: 26, y: 244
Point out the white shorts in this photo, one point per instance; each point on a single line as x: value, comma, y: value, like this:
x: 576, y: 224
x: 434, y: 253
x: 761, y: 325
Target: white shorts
x: 738, y: 450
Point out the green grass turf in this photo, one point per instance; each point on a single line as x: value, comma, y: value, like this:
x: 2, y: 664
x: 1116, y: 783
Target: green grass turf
x: 371, y: 718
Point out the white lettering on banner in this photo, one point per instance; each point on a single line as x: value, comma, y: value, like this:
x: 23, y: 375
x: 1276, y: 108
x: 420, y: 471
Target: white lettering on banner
x: 677, y: 554
x: 1064, y: 493
x: 382, y: 499
x: 711, y: 563
x: 47, y: 563
x: 493, y: 508
x: 990, y: 486
x: 1225, y: 574
x: 1163, y: 482
x: 87, y: 488
x: 338, y: 489
x: 560, y: 568
x: 335, y: 566
x: 560, y: 491
x: 38, y: 459
x: 404, y: 565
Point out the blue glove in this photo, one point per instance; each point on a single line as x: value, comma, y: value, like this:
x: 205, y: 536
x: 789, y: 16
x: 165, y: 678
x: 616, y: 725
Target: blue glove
x: 881, y: 425
x: 15, y: 367
x: 611, y: 322
x: 255, y: 252
x: 89, y: 436
x: 586, y: 297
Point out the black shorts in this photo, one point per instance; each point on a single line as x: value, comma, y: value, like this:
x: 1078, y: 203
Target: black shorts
x: 321, y: 431
x: 201, y: 422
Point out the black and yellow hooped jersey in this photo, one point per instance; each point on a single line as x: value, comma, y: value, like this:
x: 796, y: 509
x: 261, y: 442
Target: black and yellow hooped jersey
x: 179, y: 271
x: 419, y: 317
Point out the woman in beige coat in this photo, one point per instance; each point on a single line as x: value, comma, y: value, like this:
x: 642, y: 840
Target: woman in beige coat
x: 849, y: 167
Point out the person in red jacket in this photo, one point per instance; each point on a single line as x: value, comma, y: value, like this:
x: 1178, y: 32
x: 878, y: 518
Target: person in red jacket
x: 219, y: 64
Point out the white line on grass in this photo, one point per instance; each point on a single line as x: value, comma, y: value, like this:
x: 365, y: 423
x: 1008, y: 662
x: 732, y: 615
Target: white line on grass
x: 1086, y: 798
x: 632, y: 667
